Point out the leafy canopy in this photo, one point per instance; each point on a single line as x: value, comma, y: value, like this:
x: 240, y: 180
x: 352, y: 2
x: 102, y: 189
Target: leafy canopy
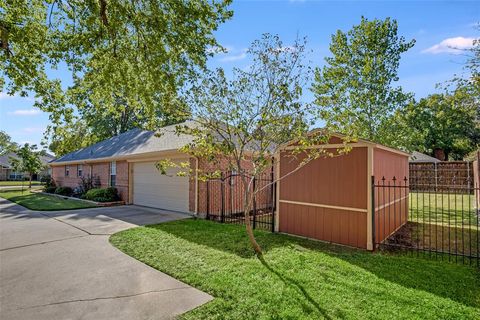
x: 127, y: 59
x: 6, y: 143
x: 441, y: 122
x: 355, y: 90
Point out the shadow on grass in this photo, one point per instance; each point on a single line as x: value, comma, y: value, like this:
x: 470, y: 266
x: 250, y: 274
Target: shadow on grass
x: 296, y: 285
x: 447, y: 280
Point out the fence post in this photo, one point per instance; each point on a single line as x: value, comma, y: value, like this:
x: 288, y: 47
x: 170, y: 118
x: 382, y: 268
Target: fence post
x: 254, y: 204
x: 208, y: 199
x: 373, y: 213
x: 222, y: 188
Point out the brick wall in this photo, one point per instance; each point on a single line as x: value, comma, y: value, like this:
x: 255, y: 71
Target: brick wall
x: 234, y: 192
x: 100, y: 170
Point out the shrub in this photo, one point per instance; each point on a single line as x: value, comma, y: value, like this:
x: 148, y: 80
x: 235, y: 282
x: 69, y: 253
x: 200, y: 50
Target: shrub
x: 86, y: 183
x: 49, y: 184
x: 50, y: 189
x: 102, y: 195
x: 64, y: 191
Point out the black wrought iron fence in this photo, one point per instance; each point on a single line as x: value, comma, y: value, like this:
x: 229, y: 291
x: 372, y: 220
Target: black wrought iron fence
x: 225, y: 197
x: 439, y: 223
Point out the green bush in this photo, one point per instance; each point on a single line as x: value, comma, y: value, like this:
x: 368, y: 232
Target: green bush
x: 49, y: 184
x: 102, y: 195
x: 64, y: 191
x: 51, y: 189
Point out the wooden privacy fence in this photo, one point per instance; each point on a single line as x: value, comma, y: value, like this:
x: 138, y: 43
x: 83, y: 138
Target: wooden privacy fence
x: 441, y: 176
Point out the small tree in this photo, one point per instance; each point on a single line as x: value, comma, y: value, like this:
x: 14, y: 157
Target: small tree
x: 354, y: 90
x: 244, y: 121
x: 28, y: 161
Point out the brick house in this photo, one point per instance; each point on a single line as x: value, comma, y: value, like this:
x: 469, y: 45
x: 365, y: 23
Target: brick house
x: 127, y: 162
x: 7, y: 172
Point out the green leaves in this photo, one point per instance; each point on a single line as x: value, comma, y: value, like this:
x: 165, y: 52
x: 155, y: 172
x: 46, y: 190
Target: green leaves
x: 127, y: 59
x: 27, y: 160
x: 444, y: 122
x: 354, y: 92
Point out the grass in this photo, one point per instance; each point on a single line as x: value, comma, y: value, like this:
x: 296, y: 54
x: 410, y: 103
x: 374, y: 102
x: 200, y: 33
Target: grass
x: 298, y: 278
x: 443, y: 209
x: 18, y: 183
x: 444, y: 222
x: 43, y: 202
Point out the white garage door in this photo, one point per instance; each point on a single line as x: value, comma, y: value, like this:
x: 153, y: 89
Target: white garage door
x: 152, y: 189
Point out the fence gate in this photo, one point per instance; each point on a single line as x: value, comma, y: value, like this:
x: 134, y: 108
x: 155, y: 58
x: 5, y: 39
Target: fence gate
x: 225, y: 197
x: 440, y: 221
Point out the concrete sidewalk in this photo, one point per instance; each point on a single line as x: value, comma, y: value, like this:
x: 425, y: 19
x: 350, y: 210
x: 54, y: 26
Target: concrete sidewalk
x: 60, y: 265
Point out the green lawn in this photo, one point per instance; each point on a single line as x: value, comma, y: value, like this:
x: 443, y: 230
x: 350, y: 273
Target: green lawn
x: 43, y: 202
x: 300, y: 279
x: 444, y: 222
x: 442, y: 208
x: 17, y: 183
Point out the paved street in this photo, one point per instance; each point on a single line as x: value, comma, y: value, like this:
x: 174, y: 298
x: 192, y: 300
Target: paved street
x: 60, y: 265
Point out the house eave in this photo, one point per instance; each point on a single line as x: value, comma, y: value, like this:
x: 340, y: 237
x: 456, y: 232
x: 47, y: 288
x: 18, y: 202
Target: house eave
x: 129, y: 158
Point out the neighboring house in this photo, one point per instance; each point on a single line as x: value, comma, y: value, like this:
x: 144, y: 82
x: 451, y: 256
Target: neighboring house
x: 7, y: 173
x: 127, y: 162
x: 418, y: 157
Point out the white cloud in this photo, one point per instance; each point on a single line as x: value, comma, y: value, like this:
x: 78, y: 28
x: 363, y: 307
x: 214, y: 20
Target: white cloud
x: 6, y: 96
x: 216, y: 50
x: 24, y: 112
x: 236, y: 57
x: 451, y: 45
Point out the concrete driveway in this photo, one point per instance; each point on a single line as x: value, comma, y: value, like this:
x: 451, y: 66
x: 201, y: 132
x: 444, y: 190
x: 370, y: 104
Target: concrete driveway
x: 60, y: 265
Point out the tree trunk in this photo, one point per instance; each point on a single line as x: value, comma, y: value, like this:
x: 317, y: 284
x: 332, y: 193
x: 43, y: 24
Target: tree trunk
x: 440, y: 154
x: 248, y: 226
x: 30, y: 181
x: 246, y: 206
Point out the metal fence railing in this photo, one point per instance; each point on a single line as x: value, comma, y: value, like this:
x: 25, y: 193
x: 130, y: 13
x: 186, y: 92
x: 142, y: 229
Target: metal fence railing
x: 225, y: 198
x: 441, y: 223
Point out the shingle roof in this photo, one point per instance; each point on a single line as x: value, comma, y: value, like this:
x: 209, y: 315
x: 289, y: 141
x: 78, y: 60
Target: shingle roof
x: 5, y: 159
x: 421, y: 157
x: 133, y: 142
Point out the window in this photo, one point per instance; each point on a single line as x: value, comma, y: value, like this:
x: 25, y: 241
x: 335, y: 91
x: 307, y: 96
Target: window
x: 80, y: 170
x: 67, y: 171
x: 113, y: 173
x: 16, y: 176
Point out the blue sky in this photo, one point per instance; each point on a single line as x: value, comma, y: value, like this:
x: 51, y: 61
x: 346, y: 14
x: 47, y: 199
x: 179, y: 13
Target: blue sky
x: 435, y: 25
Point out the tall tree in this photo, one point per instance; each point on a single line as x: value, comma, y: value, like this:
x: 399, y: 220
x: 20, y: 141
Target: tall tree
x: 243, y: 121
x: 355, y: 89
x: 6, y: 143
x: 27, y: 160
x: 127, y: 59
x: 442, y: 125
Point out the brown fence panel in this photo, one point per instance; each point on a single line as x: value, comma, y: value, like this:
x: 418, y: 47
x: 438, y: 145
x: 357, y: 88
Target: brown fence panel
x: 441, y: 176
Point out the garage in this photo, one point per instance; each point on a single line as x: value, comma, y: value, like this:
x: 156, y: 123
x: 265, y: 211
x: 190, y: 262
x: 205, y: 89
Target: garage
x: 152, y: 189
